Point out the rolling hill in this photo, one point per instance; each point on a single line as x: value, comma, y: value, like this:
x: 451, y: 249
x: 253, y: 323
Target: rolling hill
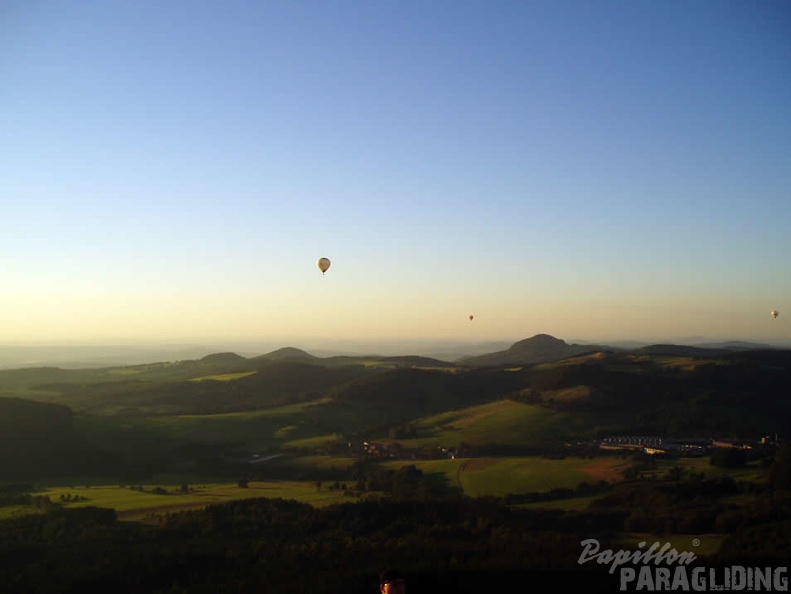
x: 291, y: 399
x: 541, y: 348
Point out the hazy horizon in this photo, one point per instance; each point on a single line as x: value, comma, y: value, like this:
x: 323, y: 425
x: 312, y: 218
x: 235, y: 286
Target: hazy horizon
x: 83, y: 355
x: 174, y: 171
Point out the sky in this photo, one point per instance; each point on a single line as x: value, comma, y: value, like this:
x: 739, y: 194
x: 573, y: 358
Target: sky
x: 172, y: 170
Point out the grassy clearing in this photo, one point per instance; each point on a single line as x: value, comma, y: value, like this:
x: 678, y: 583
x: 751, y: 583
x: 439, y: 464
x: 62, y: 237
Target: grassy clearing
x: 503, y: 422
x: 497, y: 477
x: 14, y: 511
x: 379, y: 364
x: 225, y: 377
x: 484, y: 476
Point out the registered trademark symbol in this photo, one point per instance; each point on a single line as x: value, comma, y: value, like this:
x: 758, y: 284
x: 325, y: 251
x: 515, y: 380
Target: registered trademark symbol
x: 695, y: 542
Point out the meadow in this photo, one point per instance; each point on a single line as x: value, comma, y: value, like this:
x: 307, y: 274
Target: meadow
x: 474, y: 477
x: 498, y: 477
x: 148, y: 502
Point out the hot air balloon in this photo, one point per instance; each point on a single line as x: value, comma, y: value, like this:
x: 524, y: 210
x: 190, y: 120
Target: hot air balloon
x: 774, y: 313
x: 323, y: 264
x: 471, y: 317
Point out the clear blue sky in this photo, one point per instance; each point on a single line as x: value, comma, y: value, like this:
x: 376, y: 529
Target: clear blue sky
x: 594, y: 170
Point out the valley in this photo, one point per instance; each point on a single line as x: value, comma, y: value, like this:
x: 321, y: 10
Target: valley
x: 592, y: 439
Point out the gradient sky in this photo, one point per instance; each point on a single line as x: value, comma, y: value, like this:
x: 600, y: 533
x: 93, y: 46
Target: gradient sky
x: 594, y: 170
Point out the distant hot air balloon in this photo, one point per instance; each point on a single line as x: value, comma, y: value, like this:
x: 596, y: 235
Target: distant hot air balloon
x: 471, y: 317
x: 774, y: 313
x: 324, y: 264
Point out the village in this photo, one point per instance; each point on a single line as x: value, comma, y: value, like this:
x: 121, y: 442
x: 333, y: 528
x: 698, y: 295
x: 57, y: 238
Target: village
x: 651, y: 445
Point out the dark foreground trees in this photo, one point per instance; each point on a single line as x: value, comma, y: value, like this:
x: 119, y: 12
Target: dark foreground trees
x: 269, y: 545
x: 459, y: 545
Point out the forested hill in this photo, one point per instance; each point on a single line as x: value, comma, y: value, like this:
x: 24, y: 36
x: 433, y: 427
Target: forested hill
x: 40, y: 438
x: 31, y: 419
x: 538, y: 349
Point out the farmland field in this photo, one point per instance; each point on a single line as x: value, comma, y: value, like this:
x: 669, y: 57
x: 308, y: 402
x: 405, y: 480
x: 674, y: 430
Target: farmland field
x: 478, y: 477
x: 497, y: 477
x: 134, y: 503
x: 225, y: 377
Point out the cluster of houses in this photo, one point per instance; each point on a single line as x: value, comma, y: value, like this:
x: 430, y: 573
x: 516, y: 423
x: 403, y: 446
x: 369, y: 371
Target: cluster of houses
x: 653, y: 445
x: 370, y: 449
x: 687, y: 446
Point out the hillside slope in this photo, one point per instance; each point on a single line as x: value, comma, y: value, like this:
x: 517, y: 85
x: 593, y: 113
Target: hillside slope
x: 540, y: 348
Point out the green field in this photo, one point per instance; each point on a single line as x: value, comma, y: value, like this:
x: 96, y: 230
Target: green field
x: 140, y: 502
x: 497, y: 477
x: 224, y: 377
x: 478, y: 477
x: 503, y: 421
